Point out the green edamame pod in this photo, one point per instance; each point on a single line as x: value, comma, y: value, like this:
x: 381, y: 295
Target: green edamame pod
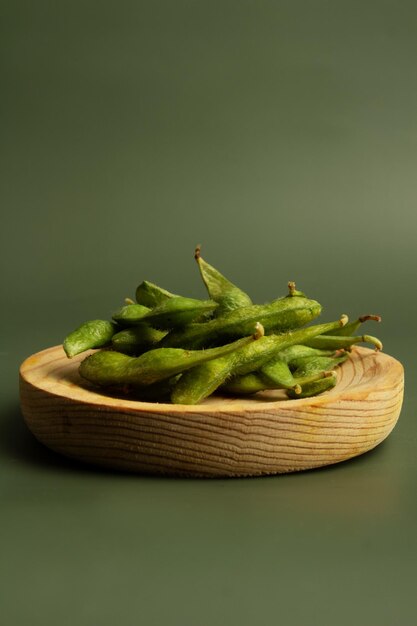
x: 278, y: 316
x: 350, y: 329
x: 315, y: 388
x: 254, y: 382
x: 329, y: 342
x: 92, y: 334
x: 299, y: 351
x: 274, y: 375
x: 130, y: 314
x: 245, y: 385
x: 300, y: 361
x: 150, y: 295
x: 114, y: 368
x: 137, y: 339
x: 220, y: 289
x: 178, y: 312
x: 310, y: 366
x: 277, y: 372
x: 202, y: 380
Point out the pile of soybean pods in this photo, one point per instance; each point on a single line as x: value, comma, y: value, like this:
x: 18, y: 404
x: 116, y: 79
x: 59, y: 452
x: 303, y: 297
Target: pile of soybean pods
x: 167, y: 348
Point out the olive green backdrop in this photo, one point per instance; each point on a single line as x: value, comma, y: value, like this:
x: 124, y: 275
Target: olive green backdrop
x: 282, y: 136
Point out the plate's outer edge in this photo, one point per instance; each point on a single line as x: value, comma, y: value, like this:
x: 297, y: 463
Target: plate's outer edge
x: 224, y: 438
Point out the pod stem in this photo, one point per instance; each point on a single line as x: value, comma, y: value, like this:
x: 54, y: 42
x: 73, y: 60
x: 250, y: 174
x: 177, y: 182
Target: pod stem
x: 291, y: 289
x: 343, y: 319
x: 374, y: 340
x: 365, y: 318
x: 259, y: 331
x: 197, y: 252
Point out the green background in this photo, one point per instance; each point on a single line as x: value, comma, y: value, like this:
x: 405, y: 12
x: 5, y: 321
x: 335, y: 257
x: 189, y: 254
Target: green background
x: 282, y: 136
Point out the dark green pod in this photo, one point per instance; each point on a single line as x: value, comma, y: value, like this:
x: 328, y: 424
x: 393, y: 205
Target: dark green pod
x: 114, y: 368
x: 150, y: 295
x: 220, y: 289
x: 178, y: 312
x: 130, y: 314
x: 278, y: 316
x: 202, y: 380
x: 92, y: 334
x: 137, y: 339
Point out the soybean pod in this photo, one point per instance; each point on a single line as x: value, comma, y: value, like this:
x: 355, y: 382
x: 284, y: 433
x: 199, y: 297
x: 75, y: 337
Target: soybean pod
x: 130, y: 314
x: 351, y: 328
x: 254, y: 382
x: 203, y: 380
x: 108, y: 368
x: 137, y: 339
x: 178, y: 312
x: 314, y: 388
x: 334, y: 342
x: 220, y: 289
x: 278, y: 316
x: 316, y: 364
x: 276, y: 373
x: 150, y: 295
x: 92, y: 334
x: 291, y: 354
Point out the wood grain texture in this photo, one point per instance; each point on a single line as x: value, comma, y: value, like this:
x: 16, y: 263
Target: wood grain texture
x: 224, y: 436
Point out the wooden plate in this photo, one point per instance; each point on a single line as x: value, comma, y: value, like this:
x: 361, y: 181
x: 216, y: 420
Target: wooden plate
x: 224, y: 436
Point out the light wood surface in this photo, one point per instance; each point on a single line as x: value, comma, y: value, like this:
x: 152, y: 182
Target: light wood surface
x: 224, y: 436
